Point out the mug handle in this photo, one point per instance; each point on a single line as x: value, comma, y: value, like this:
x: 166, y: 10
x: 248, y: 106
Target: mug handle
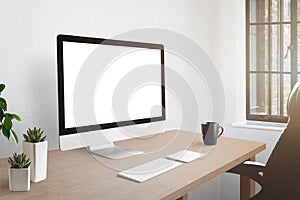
x: 222, y: 130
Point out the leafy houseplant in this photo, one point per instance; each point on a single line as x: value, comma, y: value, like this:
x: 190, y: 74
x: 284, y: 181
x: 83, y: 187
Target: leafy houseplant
x: 35, y: 135
x: 19, y: 161
x: 19, y: 172
x: 6, y: 118
x: 36, y: 146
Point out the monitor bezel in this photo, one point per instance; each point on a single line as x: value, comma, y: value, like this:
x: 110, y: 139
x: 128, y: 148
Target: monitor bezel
x: 60, y: 74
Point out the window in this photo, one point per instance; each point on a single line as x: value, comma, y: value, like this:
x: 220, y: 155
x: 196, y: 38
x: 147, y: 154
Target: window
x: 273, y: 60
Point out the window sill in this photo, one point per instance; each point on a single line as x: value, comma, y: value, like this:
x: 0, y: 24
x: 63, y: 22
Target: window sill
x: 260, y: 125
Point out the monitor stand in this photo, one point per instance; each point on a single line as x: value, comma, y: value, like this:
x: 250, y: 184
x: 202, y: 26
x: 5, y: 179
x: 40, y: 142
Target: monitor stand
x: 112, y: 152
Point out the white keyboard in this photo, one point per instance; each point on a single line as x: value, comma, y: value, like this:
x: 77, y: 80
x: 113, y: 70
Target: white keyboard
x: 149, y: 170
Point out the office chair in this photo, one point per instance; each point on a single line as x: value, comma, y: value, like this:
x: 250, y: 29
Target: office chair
x: 280, y: 177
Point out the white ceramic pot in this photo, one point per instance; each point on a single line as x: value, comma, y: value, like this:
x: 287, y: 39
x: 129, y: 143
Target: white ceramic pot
x: 19, y: 179
x: 37, y: 152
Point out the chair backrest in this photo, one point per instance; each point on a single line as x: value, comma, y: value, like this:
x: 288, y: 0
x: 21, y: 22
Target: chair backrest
x: 293, y: 106
x: 281, y: 179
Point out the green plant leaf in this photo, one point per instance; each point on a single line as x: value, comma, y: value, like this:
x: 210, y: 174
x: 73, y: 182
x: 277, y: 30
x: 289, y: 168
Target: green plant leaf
x: 1, y: 114
x: 2, y: 86
x: 16, y: 117
x: 7, y: 123
x: 6, y: 132
x: 44, y: 138
x: 3, y: 104
x: 26, y: 138
x: 15, y: 136
x: 8, y: 115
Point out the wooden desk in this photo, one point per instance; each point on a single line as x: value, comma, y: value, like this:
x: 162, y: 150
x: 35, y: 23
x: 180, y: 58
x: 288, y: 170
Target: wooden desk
x: 78, y: 175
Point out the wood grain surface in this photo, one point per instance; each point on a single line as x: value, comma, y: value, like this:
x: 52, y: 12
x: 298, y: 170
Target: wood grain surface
x: 77, y: 174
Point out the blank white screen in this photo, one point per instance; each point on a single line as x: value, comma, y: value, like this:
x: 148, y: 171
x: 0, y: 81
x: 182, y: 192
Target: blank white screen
x: 143, y: 98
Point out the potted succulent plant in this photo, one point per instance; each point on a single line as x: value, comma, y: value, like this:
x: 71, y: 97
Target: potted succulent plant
x: 6, y: 119
x: 19, y: 172
x: 36, y: 146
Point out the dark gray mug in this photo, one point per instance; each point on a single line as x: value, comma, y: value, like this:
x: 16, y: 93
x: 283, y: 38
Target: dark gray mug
x: 211, y: 132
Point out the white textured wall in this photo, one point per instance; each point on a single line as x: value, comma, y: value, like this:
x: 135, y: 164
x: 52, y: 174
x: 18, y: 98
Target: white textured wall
x: 28, y: 45
x: 28, y: 32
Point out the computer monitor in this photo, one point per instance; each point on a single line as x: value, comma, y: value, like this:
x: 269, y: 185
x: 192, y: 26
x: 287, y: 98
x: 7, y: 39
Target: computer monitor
x: 104, y: 85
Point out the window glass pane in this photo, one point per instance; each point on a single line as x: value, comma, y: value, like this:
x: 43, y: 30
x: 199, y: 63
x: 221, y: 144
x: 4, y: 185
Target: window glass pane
x: 275, y: 48
x: 286, y: 37
x: 259, y: 10
x: 286, y: 9
x: 280, y: 10
x: 280, y: 47
x: 259, y: 94
x: 259, y: 51
x: 275, y: 10
x: 275, y: 94
x: 286, y: 91
x: 298, y: 77
x: 298, y: 10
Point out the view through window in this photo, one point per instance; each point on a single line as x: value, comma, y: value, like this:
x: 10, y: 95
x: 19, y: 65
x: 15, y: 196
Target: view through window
x: 273, y: 58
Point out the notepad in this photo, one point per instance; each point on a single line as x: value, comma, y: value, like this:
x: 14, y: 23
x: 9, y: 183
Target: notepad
x: 185, y: 156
